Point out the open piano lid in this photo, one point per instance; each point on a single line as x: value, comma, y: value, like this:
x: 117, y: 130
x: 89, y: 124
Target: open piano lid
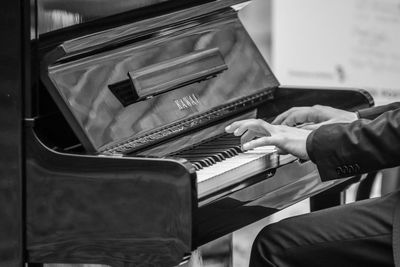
x: 134, y: 85
x: 58, y: 14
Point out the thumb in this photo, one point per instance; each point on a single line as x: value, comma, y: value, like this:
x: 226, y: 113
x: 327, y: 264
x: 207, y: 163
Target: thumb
x: 310, y: 126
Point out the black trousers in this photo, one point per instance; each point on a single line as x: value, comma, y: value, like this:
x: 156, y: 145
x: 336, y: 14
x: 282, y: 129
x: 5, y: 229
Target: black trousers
x: 357, y: 234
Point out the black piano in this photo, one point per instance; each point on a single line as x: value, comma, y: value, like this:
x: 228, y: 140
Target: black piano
x: 122, y: 151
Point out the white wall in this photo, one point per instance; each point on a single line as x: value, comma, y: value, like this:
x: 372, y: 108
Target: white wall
x: 338, y: 43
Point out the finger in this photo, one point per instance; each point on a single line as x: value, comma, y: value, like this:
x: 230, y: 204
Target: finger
x: 281, y: 151
x: 299, y: 117
x: 290, y: 120
x: 263, y: 141
x: 254, y: 125
x: 248, y: 136
x: 281, y: 117
x: 233, y: 126
x: 242, y: 123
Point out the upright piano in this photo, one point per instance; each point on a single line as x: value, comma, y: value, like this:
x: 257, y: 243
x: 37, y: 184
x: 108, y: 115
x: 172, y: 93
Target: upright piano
x: 125, y: 156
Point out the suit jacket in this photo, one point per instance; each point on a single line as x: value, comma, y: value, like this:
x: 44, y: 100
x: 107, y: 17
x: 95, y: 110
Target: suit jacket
x: 371, y: 143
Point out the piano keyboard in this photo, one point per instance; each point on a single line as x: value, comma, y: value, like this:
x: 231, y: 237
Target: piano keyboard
x: 221, y: 162
x: 212, y: 152
x: 254, y: 157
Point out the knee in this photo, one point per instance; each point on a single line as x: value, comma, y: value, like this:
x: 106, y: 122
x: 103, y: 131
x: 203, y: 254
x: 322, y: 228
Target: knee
x: 267, y: 245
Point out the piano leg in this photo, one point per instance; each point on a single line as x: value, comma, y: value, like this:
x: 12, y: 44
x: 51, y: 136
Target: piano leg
x: 365, y: 187
x: 215, y: 253
x: 195, y: 260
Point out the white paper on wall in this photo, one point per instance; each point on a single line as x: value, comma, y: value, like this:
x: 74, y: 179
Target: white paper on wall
x: 351, y: 43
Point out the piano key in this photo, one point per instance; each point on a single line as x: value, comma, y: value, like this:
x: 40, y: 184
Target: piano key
x: 238, y: 149
x: 213, y: 152
x: 234, y: 162
x: 219, y: 144
x: 214, y: 158
x: 199, y: 160
x: 197, y: 165
x: 209, y: 151
x: 195, y: 157
x: 205, y: 163
x: 234, y: 151
x: 205, y: 153
x: 210, y: 159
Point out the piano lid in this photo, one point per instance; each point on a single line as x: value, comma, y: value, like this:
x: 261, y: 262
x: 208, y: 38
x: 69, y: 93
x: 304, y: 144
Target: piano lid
x: 59, y: 14
x: 135, y: 85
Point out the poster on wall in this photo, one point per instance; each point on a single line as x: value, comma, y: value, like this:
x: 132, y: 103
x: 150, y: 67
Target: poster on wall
x: 345, y: 43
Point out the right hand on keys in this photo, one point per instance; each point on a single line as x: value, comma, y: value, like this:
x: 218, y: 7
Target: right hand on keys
x: 313, y: 117
x: 287, y: 139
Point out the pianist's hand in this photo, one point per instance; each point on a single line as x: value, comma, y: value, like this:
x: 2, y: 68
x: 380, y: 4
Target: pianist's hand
x: 256, y: 132
x: 313, y: 117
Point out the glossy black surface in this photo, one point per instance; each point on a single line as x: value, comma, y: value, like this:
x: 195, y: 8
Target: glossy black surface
x: 52, y: 177
x: 58, y: 14
x: 116, y: 211
x: 81, y: 87
x: 145, y: 208
x: 343, y: 98
x: 12, y: 75
x: 100, y: 39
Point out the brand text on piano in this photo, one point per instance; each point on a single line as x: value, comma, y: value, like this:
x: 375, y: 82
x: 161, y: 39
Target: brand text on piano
x: 187, y: 102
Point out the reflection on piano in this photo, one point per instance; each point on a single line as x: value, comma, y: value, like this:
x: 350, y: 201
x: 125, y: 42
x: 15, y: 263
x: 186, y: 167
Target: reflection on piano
x: 127, y: 160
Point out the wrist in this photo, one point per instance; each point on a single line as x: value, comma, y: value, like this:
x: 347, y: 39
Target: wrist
x: 303, y: 136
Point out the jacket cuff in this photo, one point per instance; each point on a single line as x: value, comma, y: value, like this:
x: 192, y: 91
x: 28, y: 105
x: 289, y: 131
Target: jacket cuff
x: 321, y: 150
x: 309, y: 147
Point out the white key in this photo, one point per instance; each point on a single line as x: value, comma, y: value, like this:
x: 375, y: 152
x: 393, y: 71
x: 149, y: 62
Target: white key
x: 235, y: 168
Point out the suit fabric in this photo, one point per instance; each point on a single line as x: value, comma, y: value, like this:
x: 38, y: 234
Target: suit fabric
x: 365, y: 233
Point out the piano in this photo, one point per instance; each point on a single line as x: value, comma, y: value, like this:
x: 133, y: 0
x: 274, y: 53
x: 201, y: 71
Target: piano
x: 125, y: 158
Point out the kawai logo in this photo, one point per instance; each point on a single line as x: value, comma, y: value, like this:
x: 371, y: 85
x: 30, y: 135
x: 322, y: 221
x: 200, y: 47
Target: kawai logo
x: 187, y: 102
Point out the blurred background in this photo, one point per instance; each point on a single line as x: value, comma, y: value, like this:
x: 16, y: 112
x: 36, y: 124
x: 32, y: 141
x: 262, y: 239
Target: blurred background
x: 332, y: 43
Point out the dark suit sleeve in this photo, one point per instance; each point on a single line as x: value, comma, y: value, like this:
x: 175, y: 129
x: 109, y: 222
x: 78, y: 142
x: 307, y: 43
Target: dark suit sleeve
x: 342, y: 150
x: 374, y: 112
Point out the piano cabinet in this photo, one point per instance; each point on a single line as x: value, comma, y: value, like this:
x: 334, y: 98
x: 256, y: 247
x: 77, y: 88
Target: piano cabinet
x: 116, y: 110
x: 91, y: 209
x: 145, y: 211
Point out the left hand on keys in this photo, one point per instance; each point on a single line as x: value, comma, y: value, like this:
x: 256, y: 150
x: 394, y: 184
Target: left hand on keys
x: 256, y: 132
